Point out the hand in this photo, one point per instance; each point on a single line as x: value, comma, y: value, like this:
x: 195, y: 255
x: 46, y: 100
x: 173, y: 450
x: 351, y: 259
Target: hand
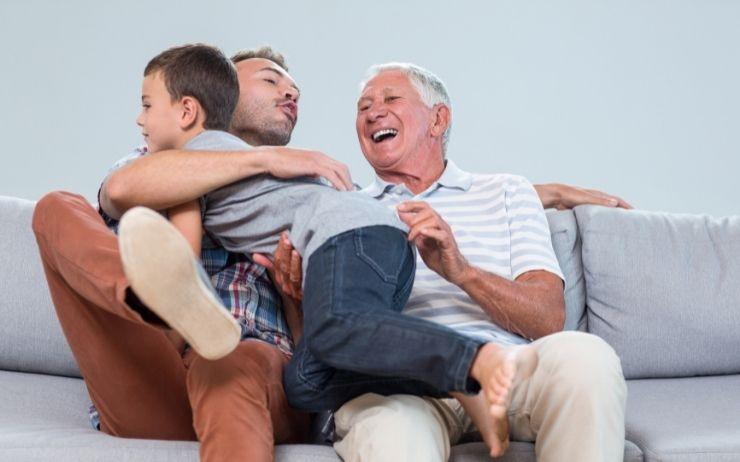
x: 286, y: 271
x: 563, y: 197
x: 435, y: 241
x: 283, y: 162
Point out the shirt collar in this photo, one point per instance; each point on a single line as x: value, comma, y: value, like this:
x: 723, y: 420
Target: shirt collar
x: 452, y: 177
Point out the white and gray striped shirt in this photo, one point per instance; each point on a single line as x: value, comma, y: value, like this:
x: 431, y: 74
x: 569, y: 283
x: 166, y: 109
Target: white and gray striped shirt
x: 499, y: 225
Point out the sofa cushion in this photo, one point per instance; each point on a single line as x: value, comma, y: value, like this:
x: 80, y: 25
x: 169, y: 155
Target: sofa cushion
x: 44, y: 418
x: 685, y: 419
x: 31, y: 339
x: 567, y: 245
x: 663, y: 290
x: 521, y: 452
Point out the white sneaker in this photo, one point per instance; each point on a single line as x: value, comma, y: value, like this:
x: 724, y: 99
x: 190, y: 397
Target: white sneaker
x: 160, y: 266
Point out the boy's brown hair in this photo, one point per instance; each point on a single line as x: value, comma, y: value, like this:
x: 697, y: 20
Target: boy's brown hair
x: 204, y: 73
x: 265, y: 53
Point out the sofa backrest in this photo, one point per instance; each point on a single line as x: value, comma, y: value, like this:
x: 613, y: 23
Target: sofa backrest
x: 31, y: 339
x: 567, y: 245
x: 663, y: 290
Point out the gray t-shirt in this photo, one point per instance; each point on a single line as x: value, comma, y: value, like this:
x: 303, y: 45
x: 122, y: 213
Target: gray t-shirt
x: 248, y: 216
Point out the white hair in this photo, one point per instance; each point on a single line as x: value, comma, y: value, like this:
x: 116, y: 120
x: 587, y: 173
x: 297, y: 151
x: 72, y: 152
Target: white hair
x: 431, y: 88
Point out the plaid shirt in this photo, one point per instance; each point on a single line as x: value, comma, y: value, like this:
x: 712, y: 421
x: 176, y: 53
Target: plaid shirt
x: 242, y: 285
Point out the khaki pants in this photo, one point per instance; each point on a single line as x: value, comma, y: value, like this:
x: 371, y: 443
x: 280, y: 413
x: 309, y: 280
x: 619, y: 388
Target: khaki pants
x: 572, y: 408
x: 136, y: 377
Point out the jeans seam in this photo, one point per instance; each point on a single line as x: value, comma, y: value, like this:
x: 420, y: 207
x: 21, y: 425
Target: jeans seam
x: 360, y: 252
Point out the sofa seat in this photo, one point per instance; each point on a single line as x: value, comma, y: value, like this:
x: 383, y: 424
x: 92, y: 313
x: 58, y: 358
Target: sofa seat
x: 44, y: 418
x: 522, y: 452
x: 685, y: 419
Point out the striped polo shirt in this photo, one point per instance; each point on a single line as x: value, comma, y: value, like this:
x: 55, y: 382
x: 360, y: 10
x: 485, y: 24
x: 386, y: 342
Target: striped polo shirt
x: 499, y: 225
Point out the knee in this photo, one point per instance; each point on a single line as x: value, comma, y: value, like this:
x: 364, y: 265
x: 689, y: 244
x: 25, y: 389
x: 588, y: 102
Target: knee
x: 251, y: 368
x: 585, y: 362
x: 50, y: 204
x: 398, y: 427
x: 300, y: 394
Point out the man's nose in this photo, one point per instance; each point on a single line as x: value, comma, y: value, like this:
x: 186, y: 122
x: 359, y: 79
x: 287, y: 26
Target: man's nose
x: 376, y: 111
x: 290, y: 93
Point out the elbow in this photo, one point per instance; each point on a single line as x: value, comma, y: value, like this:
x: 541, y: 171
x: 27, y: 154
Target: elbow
x: 554, y: 320
x: 114, y: 194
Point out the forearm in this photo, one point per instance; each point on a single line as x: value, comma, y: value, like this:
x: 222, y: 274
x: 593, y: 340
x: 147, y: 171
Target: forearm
x: 168, y: 178
x: 549, y: 195
x: 530, y: 308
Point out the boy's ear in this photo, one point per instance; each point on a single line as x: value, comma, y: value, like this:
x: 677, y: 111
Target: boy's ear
x: 191, y: 112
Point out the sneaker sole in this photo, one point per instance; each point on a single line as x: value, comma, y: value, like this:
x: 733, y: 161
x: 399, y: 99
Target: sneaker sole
x: 159, y: 265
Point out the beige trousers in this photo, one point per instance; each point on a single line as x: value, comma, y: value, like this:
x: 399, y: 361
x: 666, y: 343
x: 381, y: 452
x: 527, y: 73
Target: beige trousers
x: 572, y: 408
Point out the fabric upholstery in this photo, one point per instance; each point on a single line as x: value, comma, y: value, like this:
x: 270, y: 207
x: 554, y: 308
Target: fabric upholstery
x: 567, y: 245
x: 692, y: 419
x: 31, y: 339
x: 663, y: 290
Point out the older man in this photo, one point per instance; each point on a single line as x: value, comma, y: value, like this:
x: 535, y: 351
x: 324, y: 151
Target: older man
x: 484, y: 268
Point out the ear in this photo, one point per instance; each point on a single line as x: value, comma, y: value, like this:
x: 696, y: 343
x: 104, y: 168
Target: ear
x: 440, y: 119
x: 190, y: 113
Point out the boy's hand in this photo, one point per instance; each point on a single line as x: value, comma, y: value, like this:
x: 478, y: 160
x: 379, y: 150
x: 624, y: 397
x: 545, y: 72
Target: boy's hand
x: 283, y: 162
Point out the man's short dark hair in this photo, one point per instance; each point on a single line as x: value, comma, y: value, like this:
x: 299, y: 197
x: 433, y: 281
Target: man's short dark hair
x: 265, y: 53
x: 204, y: 73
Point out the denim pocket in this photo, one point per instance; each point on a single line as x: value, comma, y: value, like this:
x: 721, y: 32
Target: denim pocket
x: 383, y: 249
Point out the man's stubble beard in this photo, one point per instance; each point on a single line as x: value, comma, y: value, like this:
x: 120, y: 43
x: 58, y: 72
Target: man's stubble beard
x: 251, y: 123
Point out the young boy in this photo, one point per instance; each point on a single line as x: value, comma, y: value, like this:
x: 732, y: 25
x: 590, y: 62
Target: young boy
x: 358, y: 272
x: 185, y: 91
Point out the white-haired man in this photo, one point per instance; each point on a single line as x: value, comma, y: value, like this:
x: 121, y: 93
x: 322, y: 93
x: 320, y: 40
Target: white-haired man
x: 485, y: 268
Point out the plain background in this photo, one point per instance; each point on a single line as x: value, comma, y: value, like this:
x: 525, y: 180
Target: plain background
x: 639, y: 98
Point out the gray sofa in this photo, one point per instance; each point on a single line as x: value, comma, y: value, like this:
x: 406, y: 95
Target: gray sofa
x: 663, y: 290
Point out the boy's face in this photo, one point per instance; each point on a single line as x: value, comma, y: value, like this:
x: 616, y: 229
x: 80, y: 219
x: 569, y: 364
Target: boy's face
x: 160, y: 116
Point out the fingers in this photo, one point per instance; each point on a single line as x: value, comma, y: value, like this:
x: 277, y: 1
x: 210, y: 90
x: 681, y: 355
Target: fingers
x: 413, y: 206
x: 296, y: 275
x: 283, y: 264
x: 608, y: 200
x: 336, y: 172
x: 261, y: 259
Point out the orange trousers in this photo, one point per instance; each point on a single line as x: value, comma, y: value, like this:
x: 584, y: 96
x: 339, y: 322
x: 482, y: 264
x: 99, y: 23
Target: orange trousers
x: 138, y: 380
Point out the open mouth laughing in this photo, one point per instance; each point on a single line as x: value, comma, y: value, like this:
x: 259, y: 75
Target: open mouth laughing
x: 384, y: 134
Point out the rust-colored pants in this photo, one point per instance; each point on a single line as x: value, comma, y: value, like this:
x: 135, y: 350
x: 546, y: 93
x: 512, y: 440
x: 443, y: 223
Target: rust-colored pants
x: 137, y: 379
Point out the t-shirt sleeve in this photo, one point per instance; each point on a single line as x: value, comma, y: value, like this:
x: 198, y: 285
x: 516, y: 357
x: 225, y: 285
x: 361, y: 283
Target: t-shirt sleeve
x: 531, y: 245
x: 135, y: 154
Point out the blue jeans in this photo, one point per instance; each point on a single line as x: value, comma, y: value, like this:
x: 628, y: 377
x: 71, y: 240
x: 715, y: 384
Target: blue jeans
x: 355, y: 338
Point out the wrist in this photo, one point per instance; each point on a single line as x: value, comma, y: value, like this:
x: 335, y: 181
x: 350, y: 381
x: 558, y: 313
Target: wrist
x: 550, y: 195
x: 259, y: 160
x: 466, y: 276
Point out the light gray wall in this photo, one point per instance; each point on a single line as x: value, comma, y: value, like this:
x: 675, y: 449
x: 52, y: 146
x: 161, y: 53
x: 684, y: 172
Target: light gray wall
x: 640, y: 98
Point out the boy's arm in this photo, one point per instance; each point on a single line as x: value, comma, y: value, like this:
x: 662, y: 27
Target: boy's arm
x: 164, y: 179
x: 186, y: 218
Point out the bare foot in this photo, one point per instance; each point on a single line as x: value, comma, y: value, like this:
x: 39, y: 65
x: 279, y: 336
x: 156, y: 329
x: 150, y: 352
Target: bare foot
x: 499, y: 369
x: 495, y: 432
